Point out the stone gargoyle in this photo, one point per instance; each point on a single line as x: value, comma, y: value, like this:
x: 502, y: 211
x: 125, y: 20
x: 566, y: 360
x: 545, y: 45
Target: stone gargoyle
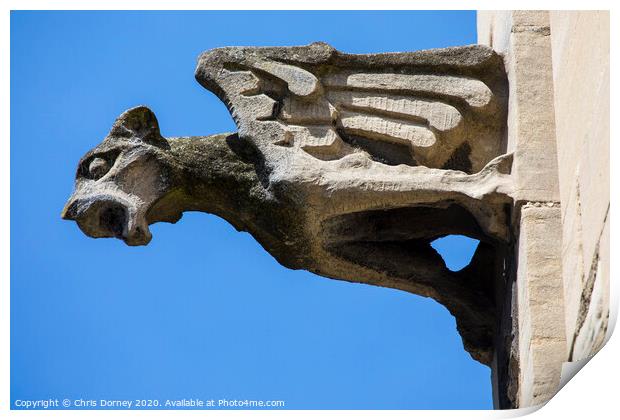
x: 348, y: 166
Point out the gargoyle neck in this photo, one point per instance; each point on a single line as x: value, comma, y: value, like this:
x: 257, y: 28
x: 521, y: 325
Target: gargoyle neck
x: 214, y: 174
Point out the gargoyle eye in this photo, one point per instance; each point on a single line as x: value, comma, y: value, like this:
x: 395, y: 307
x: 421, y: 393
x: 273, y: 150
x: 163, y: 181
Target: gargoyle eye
x: 98, y: 167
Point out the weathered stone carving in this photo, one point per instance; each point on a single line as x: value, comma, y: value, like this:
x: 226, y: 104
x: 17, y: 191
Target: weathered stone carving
x: 440, y: 109
x: 348, y: 166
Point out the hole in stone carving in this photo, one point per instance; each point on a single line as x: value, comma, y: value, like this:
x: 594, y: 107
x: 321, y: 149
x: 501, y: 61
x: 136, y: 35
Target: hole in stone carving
x: 431, y: 250
x: 456, y: 250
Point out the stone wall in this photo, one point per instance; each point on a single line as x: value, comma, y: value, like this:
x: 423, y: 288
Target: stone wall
x: 558, y: 127
x: 580, y: 52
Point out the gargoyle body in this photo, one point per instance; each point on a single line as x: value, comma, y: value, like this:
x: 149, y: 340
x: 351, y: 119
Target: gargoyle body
x: 348, y: 166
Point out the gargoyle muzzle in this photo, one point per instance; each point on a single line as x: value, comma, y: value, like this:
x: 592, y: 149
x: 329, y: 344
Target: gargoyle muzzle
x: 108, y: 217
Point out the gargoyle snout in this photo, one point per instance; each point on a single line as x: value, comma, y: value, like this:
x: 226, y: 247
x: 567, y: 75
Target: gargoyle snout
x: 69, y: 212
x: 106, y: 217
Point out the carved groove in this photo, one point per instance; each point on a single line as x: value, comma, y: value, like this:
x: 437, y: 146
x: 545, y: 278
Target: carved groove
x: 440, y: 116
x: 388, y: 129
x: 474, y: 92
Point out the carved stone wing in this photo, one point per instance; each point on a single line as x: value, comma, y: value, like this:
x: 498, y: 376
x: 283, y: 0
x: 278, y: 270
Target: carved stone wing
x: 436, y: 108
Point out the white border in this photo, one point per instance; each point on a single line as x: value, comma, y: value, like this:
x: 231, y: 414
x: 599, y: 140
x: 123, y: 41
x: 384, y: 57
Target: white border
x: 591, y: 394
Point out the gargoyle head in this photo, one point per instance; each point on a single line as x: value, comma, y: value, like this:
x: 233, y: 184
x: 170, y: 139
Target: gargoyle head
x: 119, y: 181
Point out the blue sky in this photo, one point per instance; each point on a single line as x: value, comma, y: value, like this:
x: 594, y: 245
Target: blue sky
x: 203, y: 311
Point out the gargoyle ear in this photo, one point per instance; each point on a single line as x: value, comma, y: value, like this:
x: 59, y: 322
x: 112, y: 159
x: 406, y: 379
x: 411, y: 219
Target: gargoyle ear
x: 140, y: 124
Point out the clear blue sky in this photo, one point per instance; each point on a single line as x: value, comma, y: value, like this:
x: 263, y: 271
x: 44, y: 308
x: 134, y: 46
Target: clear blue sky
x: 203, y: 311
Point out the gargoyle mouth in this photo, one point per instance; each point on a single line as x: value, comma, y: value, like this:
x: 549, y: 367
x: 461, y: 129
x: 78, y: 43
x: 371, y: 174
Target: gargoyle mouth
x: 104, y: 218
x: 113, y: 219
